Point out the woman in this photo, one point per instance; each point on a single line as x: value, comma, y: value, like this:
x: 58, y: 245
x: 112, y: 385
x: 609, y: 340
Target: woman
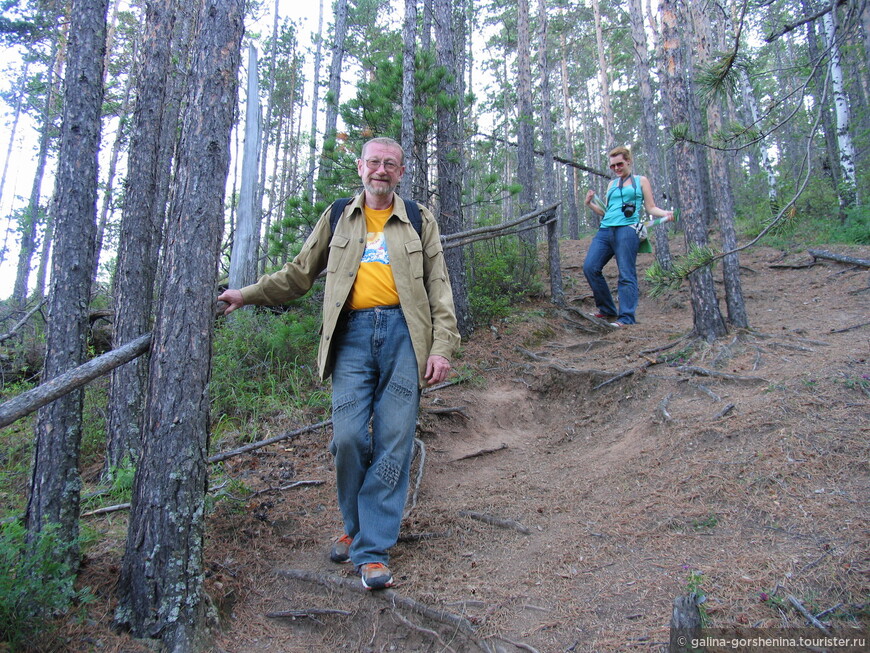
x: 617, y: 236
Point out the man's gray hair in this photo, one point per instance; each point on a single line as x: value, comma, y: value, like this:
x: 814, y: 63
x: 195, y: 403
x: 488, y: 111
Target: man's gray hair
x: 384, y: 140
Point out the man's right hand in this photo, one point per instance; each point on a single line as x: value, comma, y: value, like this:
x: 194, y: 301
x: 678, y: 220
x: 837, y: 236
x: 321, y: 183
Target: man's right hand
x: 233, y: 298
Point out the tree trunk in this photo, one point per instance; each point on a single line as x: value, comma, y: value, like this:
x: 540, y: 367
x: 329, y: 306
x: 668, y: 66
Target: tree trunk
x: 722, y: 196
x: 55, y: 484
x: 649, y: 126
x: 708, y: 322
x: 312, y: 141
x: 108, y: 189
x: 449, y: 156
x: 848, y: 187
x: 603, y: 81
x: 525, y: 135
x: 13, y: 131
x: 246, y: 240
x: 334, y: 94
x: 153, y: 139
x: 557, y: 294
x: 409, y: 91
x: 571, y: 173
x: 28, y: 230
x: 161, y: 582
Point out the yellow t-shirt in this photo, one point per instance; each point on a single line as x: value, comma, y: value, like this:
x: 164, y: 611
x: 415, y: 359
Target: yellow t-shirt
x: 374, y: 284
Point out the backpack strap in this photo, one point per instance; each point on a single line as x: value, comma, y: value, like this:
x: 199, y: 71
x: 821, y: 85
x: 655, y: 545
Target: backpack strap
x: 411, y: 208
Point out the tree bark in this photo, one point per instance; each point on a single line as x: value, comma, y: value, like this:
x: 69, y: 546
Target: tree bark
x: 708, y: 322
x: 649, y: 126
x: 449, y: 156
x: 603, y: 81
x: 28, y: 231
x: 525, y: 134
x: 567, y: 118
x: 334, y: 94
x: 315, y: 85
x: 246, y: 239
x: 554, y: 229
x: 55, y: 484
x: 847, y: 189
x: 409, y: 91
x: 154, y: 134
x: 161, y: 582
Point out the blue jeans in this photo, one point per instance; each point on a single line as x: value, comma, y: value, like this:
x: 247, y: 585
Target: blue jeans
x: 374, y: 380
x: 621, y: 242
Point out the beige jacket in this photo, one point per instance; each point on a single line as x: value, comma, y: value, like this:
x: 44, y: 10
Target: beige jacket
x: 418, y: 269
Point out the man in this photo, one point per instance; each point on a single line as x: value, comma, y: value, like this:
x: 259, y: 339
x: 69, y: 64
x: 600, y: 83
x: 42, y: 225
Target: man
x: 389, y: 327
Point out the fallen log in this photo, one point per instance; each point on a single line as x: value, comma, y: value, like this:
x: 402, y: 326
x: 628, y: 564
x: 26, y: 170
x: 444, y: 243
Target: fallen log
x: 34, y: 399
x: 839, y: 258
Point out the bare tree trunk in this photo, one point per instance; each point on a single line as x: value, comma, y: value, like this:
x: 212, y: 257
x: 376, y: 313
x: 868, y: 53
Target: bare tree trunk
x: 708, y: 322
x: 449, y: 156
x: 28, y: 231
x: 13, y: 131
x: 525, y: 134
x: 109, y: 187
x: 312, y: 141
x: 557, y: 294
x: 161, y: 583
x: 246, y: 241
x: 334, y: 94
x: 847, y: 191
x: 603, y: 81
x: 55, y: 483
x: 152, y: 144
x: 722, y: 195
x: 409, y: 91
x: 571, y: 173
x: 649, y: 126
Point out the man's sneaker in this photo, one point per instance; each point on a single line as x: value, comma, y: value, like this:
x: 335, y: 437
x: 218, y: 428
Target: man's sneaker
x: 341, y: 549
x: 376, y: 576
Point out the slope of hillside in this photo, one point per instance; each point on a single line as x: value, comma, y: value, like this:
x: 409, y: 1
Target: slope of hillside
x: 584, y: 477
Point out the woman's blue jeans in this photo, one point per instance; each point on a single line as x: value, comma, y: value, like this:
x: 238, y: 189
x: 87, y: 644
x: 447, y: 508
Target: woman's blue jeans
x: 374, y: 380
x: 621, y: 242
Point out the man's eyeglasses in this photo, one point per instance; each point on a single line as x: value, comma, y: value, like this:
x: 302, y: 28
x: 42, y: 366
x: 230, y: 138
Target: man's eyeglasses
x: 389, y: 164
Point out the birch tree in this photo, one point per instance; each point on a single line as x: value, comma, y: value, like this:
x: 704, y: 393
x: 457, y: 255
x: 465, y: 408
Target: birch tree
x: 847, y: 189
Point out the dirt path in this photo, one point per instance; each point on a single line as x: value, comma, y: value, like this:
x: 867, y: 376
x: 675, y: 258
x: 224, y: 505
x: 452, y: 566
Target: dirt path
x: 752, y: 488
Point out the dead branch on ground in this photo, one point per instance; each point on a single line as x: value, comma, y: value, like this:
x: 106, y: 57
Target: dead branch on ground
x: 263, y: 443
x: 482, y: 452
x: 448, y: 410
x: 662, y: 408
x: 850, y: 328
x: 809, y: 617
x: 496, y: 521
x: 311, y: 613
x: 839, y: 258
x: 724, y: 411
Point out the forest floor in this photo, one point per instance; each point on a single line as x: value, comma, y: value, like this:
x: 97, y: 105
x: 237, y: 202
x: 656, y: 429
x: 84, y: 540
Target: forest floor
x: 557, y: 513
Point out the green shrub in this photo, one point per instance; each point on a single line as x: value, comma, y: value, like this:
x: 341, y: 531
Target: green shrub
x: 497, y: 282
x: 265, y: 363
x: 34, y: 587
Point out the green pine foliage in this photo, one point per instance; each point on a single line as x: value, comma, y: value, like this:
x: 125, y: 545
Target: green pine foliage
x: 34, y: 587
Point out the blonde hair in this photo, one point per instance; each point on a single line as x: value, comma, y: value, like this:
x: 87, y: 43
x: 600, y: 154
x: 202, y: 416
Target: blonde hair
x: 621, y: 150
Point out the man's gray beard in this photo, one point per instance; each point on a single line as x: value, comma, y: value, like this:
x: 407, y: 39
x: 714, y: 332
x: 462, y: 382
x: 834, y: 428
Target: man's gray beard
x: 379, y: 190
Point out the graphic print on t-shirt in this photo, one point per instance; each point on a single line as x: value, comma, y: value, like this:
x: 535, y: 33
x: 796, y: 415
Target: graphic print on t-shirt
x: 376, y: 249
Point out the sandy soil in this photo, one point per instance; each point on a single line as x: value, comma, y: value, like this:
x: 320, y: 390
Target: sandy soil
x: 558, y: 512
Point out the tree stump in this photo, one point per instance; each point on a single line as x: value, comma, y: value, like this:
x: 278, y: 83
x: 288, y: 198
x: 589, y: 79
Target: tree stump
x: 685, y: 624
